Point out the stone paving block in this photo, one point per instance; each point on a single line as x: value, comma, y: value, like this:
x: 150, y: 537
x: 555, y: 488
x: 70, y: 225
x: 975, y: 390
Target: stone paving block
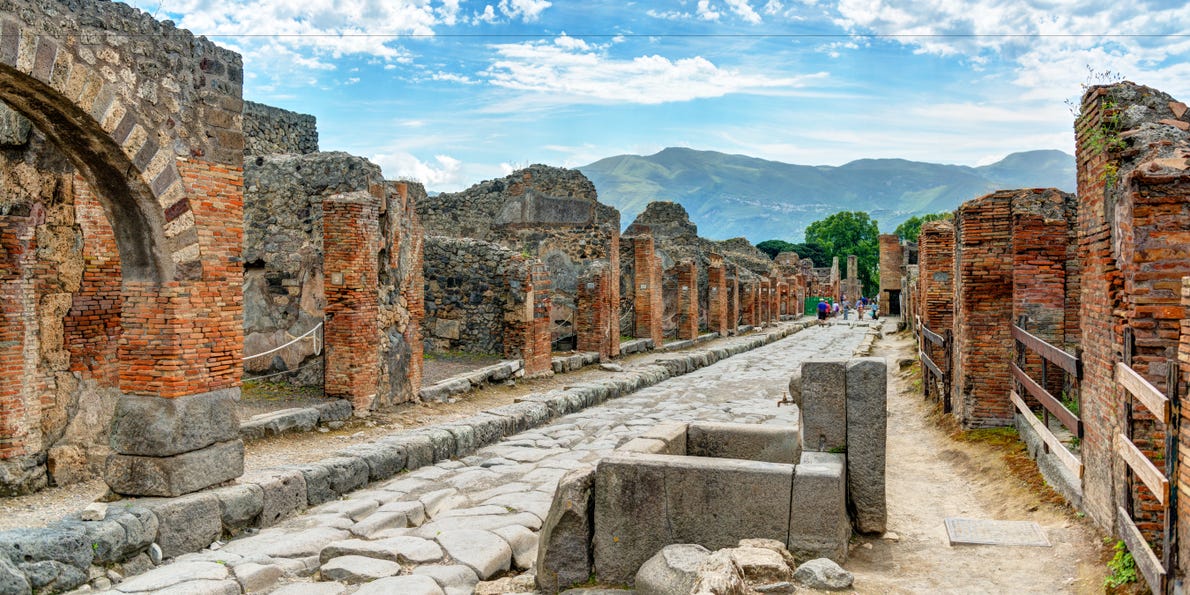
x: 523, y: 543
x: 355, y: 510
x: 12, y: 580
x: 405, y: 585
x: 443, y: 442
x: 379, y: 521
x: 750, y: 442
x: 489, y: 429
x: 354, y: 570
x: 671, y: 570
x: 163, y: 577
x: 283, y: 493
x: 383, y: 460
x: 332, y: 477
x: 455, y: 576
x: 464, y: 438
x: 337, y: 410
x: 414, y: 511
x: 240, y: 506
x: 176, y: 474
x: 275, y: 423
x: 311, y: 589
x: 439, y: 500
x: 483, y: 551
x: 818, y: 523
x: 824, y: 405
x: 419, y: 450
x: 867, y: 422
x: 254, y: 578
x: 672, y: 433
x: 278, y: 543
x: 186, y: 524
x: 564, y: 542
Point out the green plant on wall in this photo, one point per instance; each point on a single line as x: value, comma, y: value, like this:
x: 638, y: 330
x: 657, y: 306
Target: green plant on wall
x: 1122, y: 567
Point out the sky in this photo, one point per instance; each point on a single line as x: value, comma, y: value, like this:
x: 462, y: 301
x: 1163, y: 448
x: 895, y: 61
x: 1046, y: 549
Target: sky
x: 453, y: 92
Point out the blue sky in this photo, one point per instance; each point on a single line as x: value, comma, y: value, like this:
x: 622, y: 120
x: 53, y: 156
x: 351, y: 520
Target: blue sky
x: 452, y: 92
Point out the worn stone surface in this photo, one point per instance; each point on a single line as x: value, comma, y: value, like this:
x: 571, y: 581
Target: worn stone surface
x: 254, y: 578
x: 761, y: 565
x: 523, y: 543
x: 177, y: 474
x: 671, y: 571
x: 564, y: 546
x: 283, y: 493
x: 155, y: 427
x: 818, y: 523
x: 330, y: 478
x: 825, y: 574
x: 719, y: 575
x: 824, y: 405
x: 750, y: 442
x: 12, y: 580
x: 405, y: 549
x: 240, y: 506
x: 412, y: 585
x: 358, y: 569
x: 311, y: 589
x: 867, y: 415
x: 455, y: 576
x: 482, y: 551
x: 186, y: 524
x: 275, y: 423
x: 167, y: 576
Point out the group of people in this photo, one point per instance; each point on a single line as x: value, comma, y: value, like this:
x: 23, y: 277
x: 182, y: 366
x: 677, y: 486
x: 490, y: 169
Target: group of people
x: 828, y: 310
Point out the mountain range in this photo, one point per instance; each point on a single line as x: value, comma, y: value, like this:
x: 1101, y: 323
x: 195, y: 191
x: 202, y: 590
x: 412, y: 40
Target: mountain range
x: 735, y: 195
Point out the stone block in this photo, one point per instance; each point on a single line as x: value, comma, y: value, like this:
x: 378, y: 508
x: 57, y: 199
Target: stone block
x: 52, y: 576
x: 177, y: 474
x: 22, y: 475
x: 157, y: 427
x: 443, y: 442
x: 672, y: 434
x: 824, y: 405
x: 406, y: 585
x: 489, y: 429
x: 749, y: 442
x: 526, y: 415
x: 645, y: 502
x: 564, y: 544
x: 275, y: 423
x: 283, y: 493
x: 384, y: 460
x: 867, y: 421
x: 34, y: 545
x: 256, y: 578
x: 332, y: 477
x: 124, y: 531
x: 12, y: 580
x: 482, y: 551
x: 358, y: 569
x: 818, y: 523
x: 337, y: 410
x: 464, y: 438
x: 240, y: 506
x: 671, y: 570
x: 719, y: 575
x: 419, y: 449
x: 186, y: 524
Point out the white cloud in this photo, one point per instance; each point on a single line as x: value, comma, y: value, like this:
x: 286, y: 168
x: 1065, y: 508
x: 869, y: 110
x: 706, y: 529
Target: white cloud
x: 526, y: 10
x: 444, y: 171
x: 668, y: 15
x: 564, y: 71
x: 706, y: 13
x: 744, y: 10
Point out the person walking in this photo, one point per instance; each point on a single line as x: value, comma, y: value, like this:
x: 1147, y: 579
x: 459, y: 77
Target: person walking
x: 823, y: 307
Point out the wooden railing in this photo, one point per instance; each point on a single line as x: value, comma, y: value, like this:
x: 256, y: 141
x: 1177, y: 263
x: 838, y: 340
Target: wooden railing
x: 1026, y: 343
x: 1165, y: 408
x: 935, y: 377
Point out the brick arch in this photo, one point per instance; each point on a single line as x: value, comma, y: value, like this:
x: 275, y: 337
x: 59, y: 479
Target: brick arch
x: 131, y: 204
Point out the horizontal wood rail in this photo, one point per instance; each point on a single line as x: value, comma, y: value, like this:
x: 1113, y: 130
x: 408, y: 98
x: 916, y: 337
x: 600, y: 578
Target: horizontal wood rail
x: 1055, y: 445
x: 1051, y: 404
x: 931, y: 336
x: 1145, y: 392
x: 1058, y: 357
x: 1146, y: 561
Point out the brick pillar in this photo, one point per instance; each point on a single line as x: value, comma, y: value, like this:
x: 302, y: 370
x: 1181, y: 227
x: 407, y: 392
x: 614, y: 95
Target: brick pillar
x: 983, y: 309
x: 647, y: 300
x: 20, y: 412
x: 750, y: 308
x: 733, y: 300
x: 935, y: 276
x: 352, y: 334
x: 891, y: 263
x: 539, y: 349
x: 687, y: 319
x: 595, y: 322
x: 717, y: 298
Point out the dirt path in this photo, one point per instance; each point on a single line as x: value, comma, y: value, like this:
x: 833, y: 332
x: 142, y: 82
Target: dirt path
x: 933, y: 475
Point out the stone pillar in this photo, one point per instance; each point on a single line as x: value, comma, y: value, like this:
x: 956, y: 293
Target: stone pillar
x: 350, y: 268
x: 647, y: 300
x: 717, y: 296
x: 687, y: 318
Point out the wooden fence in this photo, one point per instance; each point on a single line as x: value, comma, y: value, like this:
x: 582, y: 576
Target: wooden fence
x: 935, y: 377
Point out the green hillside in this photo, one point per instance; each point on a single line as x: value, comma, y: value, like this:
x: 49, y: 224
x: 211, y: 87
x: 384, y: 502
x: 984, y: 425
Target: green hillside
x: 736, y: 195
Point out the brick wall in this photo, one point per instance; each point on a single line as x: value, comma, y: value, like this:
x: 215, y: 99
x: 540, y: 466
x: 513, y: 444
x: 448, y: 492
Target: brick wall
x: 935, y: 303
x: 891, y: 270
x: 733, y: 299
x: 20, y: 414
x: 687, y: 319
x: 596, y: 316
x: 750, y: 305
x: 351, y: 241
x: 717, y: 298
x: 93, y: 323
x: 647, y: 305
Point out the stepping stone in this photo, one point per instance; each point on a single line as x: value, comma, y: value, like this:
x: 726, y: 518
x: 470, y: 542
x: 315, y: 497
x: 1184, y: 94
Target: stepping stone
x: 358, y: 569
x: 379, y: 521
x: 523, y: 543
x: 255, y: 577
x: 484, y: 552
x: 286, y: 544
x: 455, y: 576
x: 407, y: 550
x: 353, y: 509
x: 413, y: 510
x: 412, y: 584
x: 439, y: 500
x: 179, y: 572
x: 482, y: 522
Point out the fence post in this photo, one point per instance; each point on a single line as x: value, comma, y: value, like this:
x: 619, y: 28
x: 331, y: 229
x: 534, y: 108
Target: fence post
x: 948, y: 378
x: 1173, y: 391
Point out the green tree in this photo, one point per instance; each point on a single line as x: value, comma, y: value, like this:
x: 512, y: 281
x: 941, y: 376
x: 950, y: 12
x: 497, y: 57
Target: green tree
x: 911, y: 228
x: 846, y: 233
x: 775, y: 247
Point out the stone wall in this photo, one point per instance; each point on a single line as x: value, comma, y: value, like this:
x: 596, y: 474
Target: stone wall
x: 471, y: 287
x: 274, y: 131
x: 543, y: 212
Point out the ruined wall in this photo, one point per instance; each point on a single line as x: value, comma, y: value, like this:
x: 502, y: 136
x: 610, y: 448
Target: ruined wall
x: 544, y: 212
x: 1134, y: 248
x: 274, y: 131
x: 470, y: 287
x: 285, y: 280
x: 936, y: 275
x: 891, y: 270
x: 988, y: 250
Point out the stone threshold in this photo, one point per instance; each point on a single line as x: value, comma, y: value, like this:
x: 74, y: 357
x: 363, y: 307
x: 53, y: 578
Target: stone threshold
x: 133, y: 530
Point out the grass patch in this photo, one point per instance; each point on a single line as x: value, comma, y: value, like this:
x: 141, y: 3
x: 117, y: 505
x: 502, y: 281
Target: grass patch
x: 1012, y: 449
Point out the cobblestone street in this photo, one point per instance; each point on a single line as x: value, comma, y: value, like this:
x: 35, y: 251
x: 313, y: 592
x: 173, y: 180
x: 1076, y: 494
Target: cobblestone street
x: 445, y: 527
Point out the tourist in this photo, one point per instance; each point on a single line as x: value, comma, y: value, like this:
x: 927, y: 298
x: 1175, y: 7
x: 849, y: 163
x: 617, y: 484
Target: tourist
x: 846, y: 309
x: 822, y: 310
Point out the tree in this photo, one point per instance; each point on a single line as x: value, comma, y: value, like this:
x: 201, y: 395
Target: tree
x: 775, y: 247
x: 911, y: 228
x: 846, y: 233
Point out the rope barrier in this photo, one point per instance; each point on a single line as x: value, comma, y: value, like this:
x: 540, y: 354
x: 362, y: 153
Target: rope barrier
x: 317, y: 344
